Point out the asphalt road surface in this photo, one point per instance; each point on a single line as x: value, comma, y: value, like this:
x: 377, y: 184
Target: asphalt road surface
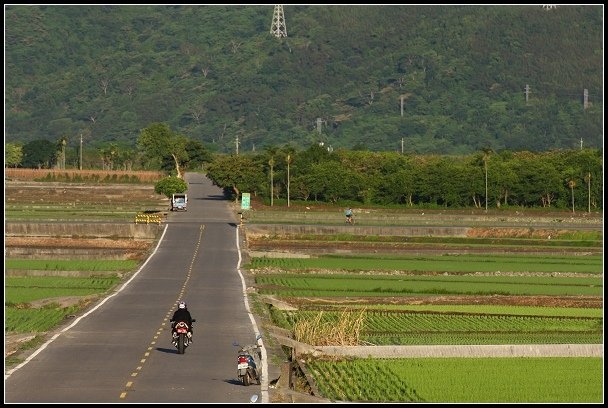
x: 120, y: 350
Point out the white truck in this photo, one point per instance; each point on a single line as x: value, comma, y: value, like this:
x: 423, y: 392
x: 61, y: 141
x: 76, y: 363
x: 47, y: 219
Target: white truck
x: 179, y: 202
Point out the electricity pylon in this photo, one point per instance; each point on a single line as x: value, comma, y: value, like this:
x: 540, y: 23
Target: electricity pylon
x: 278, y: 28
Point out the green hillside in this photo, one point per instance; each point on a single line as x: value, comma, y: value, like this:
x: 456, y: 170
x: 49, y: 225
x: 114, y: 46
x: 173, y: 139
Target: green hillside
x: 215, y: 74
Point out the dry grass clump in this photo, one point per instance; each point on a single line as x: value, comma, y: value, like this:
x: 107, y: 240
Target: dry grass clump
x: 344, y: 331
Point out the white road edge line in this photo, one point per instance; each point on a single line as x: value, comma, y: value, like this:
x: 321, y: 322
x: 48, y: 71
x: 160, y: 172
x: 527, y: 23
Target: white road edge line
x: 264, y: 379
x: 27, y: 360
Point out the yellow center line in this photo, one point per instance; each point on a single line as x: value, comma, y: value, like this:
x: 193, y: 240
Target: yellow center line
x: 129, y: 384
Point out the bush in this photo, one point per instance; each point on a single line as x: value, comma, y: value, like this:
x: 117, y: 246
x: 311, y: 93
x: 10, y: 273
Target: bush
x: 170, y: 185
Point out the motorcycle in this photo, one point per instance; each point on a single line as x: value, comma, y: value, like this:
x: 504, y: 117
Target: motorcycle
x: 247, y: 363
x: 181, y: 336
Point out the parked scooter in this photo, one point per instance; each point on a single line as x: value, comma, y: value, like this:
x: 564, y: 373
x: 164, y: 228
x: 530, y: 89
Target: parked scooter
x: 248, y: 360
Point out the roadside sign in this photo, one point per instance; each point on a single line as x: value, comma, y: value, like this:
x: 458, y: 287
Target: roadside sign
x: 245, y: 201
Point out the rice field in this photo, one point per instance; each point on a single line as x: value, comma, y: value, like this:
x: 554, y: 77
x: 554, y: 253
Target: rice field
x: 457, y: 380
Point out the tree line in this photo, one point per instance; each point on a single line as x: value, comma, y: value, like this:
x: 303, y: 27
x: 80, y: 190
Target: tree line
x: 555, y: 179
x: 565, y: 179
x: 158, y: 148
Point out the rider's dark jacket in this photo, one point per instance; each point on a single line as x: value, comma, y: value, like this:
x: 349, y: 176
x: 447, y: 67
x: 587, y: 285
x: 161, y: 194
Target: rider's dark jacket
x: 182, y: 315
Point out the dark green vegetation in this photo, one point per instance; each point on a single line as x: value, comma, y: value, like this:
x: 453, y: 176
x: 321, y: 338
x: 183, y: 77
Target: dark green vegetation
x: 216, y: 75
x: 558, y: 179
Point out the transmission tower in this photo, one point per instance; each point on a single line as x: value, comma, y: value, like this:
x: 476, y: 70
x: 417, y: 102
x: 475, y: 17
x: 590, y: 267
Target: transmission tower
x: 278, y: 28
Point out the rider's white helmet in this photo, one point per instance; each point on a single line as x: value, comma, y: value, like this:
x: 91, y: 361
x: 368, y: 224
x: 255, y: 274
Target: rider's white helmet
x: 182, y: 305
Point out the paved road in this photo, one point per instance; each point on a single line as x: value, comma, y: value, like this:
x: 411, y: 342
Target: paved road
x: 120, y: 351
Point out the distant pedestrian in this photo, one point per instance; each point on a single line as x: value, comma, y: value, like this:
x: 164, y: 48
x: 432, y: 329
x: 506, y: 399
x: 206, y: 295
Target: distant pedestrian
x: 349, y: 215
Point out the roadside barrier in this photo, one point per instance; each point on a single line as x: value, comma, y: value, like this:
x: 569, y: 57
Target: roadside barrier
x: 148, y: 218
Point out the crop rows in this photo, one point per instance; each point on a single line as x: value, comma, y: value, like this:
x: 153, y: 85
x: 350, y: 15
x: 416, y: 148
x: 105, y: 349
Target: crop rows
x: 336, y: 381
x: 382, y: 327
x: 447, y: 380
x: 36, y: 320
x: 72, y: 265
x: 562, y: 238
x: 391, y: 285
x: 451, y: 338
x: 445, y: 263
x: 24, y: 289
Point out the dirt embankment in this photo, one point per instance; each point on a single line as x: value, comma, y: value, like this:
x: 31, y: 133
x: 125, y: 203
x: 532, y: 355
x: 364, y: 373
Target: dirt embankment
x: 93, y: 243
x: 546, y: 301
x: 29, y: 192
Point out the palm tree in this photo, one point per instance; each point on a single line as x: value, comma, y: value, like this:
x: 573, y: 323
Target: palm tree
x: 571, y: 185
x: 486, y: 156
x: 271, y: 151
x: 63, y: 140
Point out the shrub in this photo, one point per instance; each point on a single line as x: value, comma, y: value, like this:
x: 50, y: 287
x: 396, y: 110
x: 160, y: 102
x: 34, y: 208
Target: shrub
x: 170, y: 185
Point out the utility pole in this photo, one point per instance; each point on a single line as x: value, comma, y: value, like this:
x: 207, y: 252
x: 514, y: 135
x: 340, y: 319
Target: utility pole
x: 486, y: 157
x: 486, y: 166
x: 401, y: 145
x: 585, y: 98
x: 278, y: 28
x: 588, y: 192
x: 527, y: 92
x: 271, y: 164
x: 80, y: 166
x: 237, y: 145
x: 581, y: 143
x: 288, y: 162
x: 402, y: 97
x: 61, y: 160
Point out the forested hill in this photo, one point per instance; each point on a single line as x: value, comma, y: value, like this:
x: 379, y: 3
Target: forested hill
x: 425, y: 79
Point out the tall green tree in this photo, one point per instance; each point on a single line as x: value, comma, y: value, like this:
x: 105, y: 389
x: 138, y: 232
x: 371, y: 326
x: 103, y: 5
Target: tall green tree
x: 236, y: 174
x: 39, y: 154
x: 197, y: 155
x: 157, y: 141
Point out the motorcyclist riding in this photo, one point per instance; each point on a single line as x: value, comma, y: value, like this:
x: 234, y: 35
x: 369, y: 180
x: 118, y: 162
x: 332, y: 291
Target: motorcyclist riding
x: 182, y: 315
